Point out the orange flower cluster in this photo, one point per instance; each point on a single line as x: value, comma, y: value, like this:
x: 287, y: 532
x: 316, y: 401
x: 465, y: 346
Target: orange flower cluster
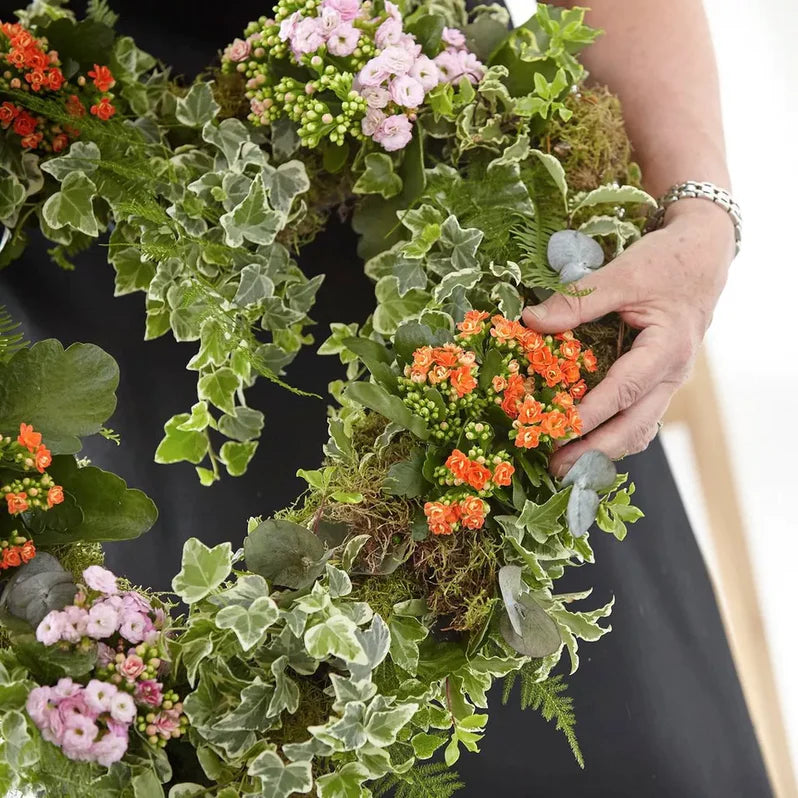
x: 445, y: 518
x: 32, y: 67
x: 444, y: 365
x: 29, y: 453
x: 476, y: 474
x: 15, y: 555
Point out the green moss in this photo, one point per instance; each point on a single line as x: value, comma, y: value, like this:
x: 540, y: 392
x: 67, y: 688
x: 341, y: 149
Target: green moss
x: 382, y: 592
x: 592, y: 145
x: 77, y: 557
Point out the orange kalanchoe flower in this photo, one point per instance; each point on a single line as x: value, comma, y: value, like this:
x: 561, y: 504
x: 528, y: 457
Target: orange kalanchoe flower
x: 478, y: 476
x: 463, y: 381
x: 102, y: 77
x: 11, y: 557
x: 472, y: 512
x: 440, y: 517
x: 458, y: 464
x: 55, y: 495
x: 17, y: 502
x: 103, y: 109
x: 27, y: 551
x: 528, y: 437
x: 503, y: 474
x: 578, y: 389
x: 472, y: 323
x: 589, y: 360
x: 42, y: 459
x: 29, y: 438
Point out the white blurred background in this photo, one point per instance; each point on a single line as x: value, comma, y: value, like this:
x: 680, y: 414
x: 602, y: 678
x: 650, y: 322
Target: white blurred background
x: 750, y: 346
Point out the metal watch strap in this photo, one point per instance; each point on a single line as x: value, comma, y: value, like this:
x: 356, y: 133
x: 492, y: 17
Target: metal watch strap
x: 694, y: 189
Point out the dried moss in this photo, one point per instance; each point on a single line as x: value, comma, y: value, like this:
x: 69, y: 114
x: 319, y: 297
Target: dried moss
x: 609, y: 338
x: 592, y: 145
x: 77, y: 557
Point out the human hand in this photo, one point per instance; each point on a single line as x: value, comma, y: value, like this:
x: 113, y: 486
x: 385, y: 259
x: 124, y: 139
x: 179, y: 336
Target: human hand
x: 666, y: 285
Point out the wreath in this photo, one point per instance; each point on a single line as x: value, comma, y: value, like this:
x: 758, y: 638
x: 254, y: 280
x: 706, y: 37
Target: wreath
x: 356, y: 634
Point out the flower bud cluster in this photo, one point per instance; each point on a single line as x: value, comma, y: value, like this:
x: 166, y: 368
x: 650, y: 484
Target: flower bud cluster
x: 127, y: 685
x: 360, y: 73
x: 31, y: 67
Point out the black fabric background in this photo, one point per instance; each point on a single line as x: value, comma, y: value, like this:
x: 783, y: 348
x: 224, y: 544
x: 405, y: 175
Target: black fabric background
x: 659, y: 706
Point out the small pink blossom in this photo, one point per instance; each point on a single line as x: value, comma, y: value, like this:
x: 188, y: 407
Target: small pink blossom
x: 167, y: 722
x: 238, y: 50
x: 348, y: 9
x: 131, y: 600
x: 149, y: 692
x: 449, y: 65
x: 123, y: 708
x: 39, y: 705
x: 375, y: 96
x: 101, y: 579
x: 105, y: 655
x: 406, y: 91
x: 103, y: 621
x: 394, y: 133
x: 328, y: 21
x: 425, y: 72
x: 409, y: 44
x: 392, y: 10
x: 372, y: 121
x: 109, y: 749
x: 79, y: 734
x: 65, y: 688
x: 373, y: 73
x: 388, y: 33
x: 51, y: 628
x: 307, y: 37
x: 98, y: 695
x: 288, y: 26
x: 343, y: 40
x: 453, y: 37
x: 395, y: 60
x: 471, y: 66
x: 135, y: 626
x: 132, y: 667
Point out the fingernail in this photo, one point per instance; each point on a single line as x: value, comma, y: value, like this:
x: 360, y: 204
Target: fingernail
x: 538, y: 311
x: 563, y: 468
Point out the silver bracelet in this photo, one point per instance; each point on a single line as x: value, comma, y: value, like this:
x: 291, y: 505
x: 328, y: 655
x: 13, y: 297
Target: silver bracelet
x: 693, y: 189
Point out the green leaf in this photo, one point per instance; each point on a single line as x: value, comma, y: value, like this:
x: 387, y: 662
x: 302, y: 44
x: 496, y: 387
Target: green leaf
x: 82, y: 156
x: 65, y: 394
x: 227, y: 136
x: 245, y: 424
x: 391, y: 407
x: 132, y: 273
x: 615, y: 195
x: 181, y: 444
x: 425, y: 745
x: 252, y: 219
x: 379, y: 177
x: 249, y: 623
x: 406, y: 477
x: 463, y: 242
x: 543, y: 520
x: 280, y: 780
x: 286, y: 691
x: 72, y: 205
x: 236, y: 456
x: 147, y: 785
x: 393, y: 308
x: 12, y: 195
x: 406, y: 634
x: 339, y: 581
x: 203, y: 570
x: 219, y: 387
x: 335, y: 637
x: 383, y: 726
x: 285, y: 184
x: 198, y: 106
x: 109, y: 509
x: 344, y: 783
x: 427, y: 30
x: 199, y: 420
x: 193, y: 654
x: 462, y: 278
x: 284, y: 553
x: 539, y: 636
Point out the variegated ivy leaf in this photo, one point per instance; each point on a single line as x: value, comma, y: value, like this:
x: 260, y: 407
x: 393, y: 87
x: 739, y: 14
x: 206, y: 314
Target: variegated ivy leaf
x: 198, y: 106
x: 393, y: 308
x: 249, y: 623
x: 132, y: 273
x: 244, y: 425
x: 555, y: 169
x: 227, y: 137
x: 508, y: 299
x: 507, y: 269
x: 623, y: 232
x: 339, y: 581
x: 251, y: 713
x: 236, y: 456
x: 252, y: 220
x: 375, y: 641
x: 463, y: 279
x: 614, y: 195
x: 203, y: 569
x: 82, y: 156
x: 72, y: 205
x: 406, y: 634
x: 286, y: 691
x: 348, y: 689
x: 463, y: 242
x: 218, y: 387
x: 573, y: 255
x: 344, y: 783
x: 235, y: 188
x: 285, y: 183
x: 181, y: 444
x: 378, y: 177
x: 12, y: 196
x: 335, y: 637
x: 278, y: 779
x: 384, y: 721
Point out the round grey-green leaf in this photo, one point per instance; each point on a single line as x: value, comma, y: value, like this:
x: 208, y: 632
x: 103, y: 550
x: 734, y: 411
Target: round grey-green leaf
x: 583, y: 505
x: 284, y: 553
x: 573, y: 254
x: 592, y: 470
x: 37, y: 588
x: 540, y: 635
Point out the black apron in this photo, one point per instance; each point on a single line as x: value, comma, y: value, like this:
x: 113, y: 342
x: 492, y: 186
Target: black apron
x: 659, y: 708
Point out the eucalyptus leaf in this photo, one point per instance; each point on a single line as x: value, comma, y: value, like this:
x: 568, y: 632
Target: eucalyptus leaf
x: 540, y: 635
x: 38, y: 587
x: 593, y: 469
x: 583, y: 505
x: 574, y: 255
x: 284, y: 553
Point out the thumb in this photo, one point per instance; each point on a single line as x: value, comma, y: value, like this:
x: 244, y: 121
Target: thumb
x: 566, y: 311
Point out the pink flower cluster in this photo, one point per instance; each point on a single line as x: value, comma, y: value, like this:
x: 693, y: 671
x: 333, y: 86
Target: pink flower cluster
x: 91, y: 722
x: 333, y: 28
x: 456, y: 60
x: 129, y: 614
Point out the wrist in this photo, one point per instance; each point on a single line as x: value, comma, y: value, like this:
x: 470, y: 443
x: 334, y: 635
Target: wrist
x: 708, y: 219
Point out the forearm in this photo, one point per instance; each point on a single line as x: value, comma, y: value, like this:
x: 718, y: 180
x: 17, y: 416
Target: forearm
x: 658, y: 58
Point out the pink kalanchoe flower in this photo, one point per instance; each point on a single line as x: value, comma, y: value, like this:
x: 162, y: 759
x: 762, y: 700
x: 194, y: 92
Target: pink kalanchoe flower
x: 394, y: 133
x: 393, y: 11
x: 471, y: 66
x: 116, y: 728
x: 348, y: 9
x: 65, y: 688
x: 53, y: 731
x: 238, y: 50
x: 131, y: 600
x: 79, y: 734
x: 375, y: 96
x: 372, y: 121
x: 394, y: 60
x: 105, y: 655
x: 98, y: 695
x: 159, y: 618
x: 132, y: 667
x: 39, y: 705
x: 343, y: 40
x: 149, y: 692
x: 453, y: 37
x: 449, y: 65
x: 425, y: 71
x: 406, y: 91
x: 390, y: 32
x: 109, y: 749
x: 135, y: 626
x: 51, y: 628
x: 102, y: 622
x: 374, y: 73
x: 167, y: 722
x: 408, y: 43
x: 123, y: 708
x: 101, y: 579
x: 288, y: 26
x: 328, y: 21
x: 307, y: 36
x: 76, y: 623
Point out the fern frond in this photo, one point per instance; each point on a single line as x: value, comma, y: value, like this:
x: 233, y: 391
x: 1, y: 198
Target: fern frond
x: 549, y: 698
x: 98, y: 11
x: 11, y: 340
x: 433, y: 780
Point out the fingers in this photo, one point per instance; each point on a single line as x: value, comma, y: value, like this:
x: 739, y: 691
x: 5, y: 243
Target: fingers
x: 630, y: 378
x: 565, y: 311
x: 628, y: 432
